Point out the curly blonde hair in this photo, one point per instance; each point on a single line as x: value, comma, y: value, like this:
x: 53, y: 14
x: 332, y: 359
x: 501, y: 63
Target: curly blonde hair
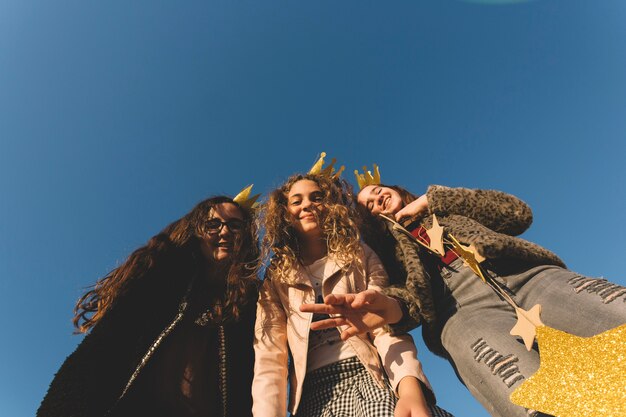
x: 339, y: 222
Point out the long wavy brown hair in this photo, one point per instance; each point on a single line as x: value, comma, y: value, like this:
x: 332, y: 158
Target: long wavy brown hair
x: 376, y: 235
x: 339, y: 222
x: 184, y: 234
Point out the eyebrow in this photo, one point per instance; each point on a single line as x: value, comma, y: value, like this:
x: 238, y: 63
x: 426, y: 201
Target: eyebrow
x: 370, y: 201
x: 371, y: 195
x: 311, y: 193
x: 225, y: 219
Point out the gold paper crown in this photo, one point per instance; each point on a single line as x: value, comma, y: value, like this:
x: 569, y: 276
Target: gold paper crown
x: 244, y: 199
x: 329, y: 171
x: 366, y: 178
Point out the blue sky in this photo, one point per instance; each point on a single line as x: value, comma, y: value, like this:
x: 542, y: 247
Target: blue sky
x: 117, y: 117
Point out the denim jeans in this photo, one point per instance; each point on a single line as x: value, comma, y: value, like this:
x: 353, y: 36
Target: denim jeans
x: 477, y: 322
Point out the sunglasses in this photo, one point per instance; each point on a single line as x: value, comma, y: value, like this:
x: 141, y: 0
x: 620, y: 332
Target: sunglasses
x: 213, y: 226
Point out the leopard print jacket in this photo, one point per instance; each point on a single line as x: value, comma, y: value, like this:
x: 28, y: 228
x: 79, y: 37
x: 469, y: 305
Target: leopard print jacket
x: 489, y: 219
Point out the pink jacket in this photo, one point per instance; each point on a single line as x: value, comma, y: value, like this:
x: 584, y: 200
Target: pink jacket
x: 281, y: 327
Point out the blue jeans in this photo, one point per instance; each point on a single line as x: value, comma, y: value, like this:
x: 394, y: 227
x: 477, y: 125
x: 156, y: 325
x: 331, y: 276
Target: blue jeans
x: 487, y: 359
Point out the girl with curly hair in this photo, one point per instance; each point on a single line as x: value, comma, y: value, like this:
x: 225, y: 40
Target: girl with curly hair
x: 311, y: 227
x: 170, y: 330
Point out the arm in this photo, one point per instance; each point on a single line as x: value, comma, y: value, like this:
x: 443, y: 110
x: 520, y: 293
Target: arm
x: 398, y: 353
x: 92, y: 378
x: 411, y: 390
x: 500, y: 212
x: 403, y: 307
x: 269, y: 387
x: 412, y: 402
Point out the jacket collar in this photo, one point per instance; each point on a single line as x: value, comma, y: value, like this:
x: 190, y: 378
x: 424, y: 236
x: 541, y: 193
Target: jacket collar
x: 300, y: 276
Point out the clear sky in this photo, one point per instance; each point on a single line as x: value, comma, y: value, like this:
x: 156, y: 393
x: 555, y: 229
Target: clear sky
x: 116, y: 117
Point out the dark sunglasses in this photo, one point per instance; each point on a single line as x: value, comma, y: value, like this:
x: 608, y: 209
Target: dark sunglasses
x: 215, y: 225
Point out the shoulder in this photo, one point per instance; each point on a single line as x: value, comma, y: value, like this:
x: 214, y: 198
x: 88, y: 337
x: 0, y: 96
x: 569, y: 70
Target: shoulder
x: 368, y: 253
x: 371, y: 261
x: 269, y: 285
x: 366, y: 250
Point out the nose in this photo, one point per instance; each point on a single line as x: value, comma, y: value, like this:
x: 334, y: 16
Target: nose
x: 225, y: 230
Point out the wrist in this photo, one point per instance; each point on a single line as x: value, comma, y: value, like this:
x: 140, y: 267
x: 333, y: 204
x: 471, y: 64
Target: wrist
x: 397, y: 309
x: 411, y: 389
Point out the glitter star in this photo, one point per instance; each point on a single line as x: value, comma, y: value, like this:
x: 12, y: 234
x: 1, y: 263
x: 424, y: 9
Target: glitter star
x: 435, y: 234
x: 577, y: 376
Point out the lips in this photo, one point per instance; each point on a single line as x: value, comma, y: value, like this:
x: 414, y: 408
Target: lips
x: 225, y: 245
x: 385, y: 203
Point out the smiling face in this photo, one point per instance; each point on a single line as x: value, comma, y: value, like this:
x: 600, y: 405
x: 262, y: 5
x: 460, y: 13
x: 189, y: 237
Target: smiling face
x: 304, y: 205
x: 218, y: 242
x: 377, y: 200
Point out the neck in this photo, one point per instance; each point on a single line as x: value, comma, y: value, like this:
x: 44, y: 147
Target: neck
x: 216, y: 274
x: 312, y: 249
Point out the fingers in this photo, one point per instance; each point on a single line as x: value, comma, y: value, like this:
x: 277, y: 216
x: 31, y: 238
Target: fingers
x: 329, y: 323
x: 418, y: 206
x: 327, y: 308
x: 350, y: 332
x: 339, y: 299
x: 402, y: 214
x: 346, y: 303
x: 364, y: 298
x: 320, y: 309
x: 333, y: 304
x: 407, y: 211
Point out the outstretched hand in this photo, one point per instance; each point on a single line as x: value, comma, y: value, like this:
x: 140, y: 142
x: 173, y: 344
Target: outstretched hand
x: 362, y: 312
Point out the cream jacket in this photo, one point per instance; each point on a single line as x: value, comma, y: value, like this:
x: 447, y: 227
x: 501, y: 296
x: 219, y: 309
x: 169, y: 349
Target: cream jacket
x: 282, y: 328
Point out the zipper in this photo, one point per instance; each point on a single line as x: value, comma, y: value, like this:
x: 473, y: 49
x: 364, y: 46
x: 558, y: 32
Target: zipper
x: 222, y: 374
x: 157, y: 342
x: 182, y: 307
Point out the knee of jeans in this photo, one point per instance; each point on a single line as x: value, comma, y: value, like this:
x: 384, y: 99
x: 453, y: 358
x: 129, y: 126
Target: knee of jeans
x: 501, y: 365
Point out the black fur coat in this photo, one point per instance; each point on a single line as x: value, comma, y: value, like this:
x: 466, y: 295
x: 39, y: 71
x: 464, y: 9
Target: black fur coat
x: 92, y: 379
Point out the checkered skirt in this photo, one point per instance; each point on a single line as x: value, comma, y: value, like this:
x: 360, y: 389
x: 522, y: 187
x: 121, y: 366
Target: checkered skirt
x: 346, y: 389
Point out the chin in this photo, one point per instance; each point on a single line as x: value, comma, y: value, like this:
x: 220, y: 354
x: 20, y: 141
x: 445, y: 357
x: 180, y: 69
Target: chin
x: 306, y: 229
x: 310, y: 229
x: 223, y: 257
x: 395, y: 207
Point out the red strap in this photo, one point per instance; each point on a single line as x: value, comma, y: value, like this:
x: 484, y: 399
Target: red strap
x: 420, y: 233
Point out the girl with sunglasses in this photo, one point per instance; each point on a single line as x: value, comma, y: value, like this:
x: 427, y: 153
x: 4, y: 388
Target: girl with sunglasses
x: 170, y: 330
